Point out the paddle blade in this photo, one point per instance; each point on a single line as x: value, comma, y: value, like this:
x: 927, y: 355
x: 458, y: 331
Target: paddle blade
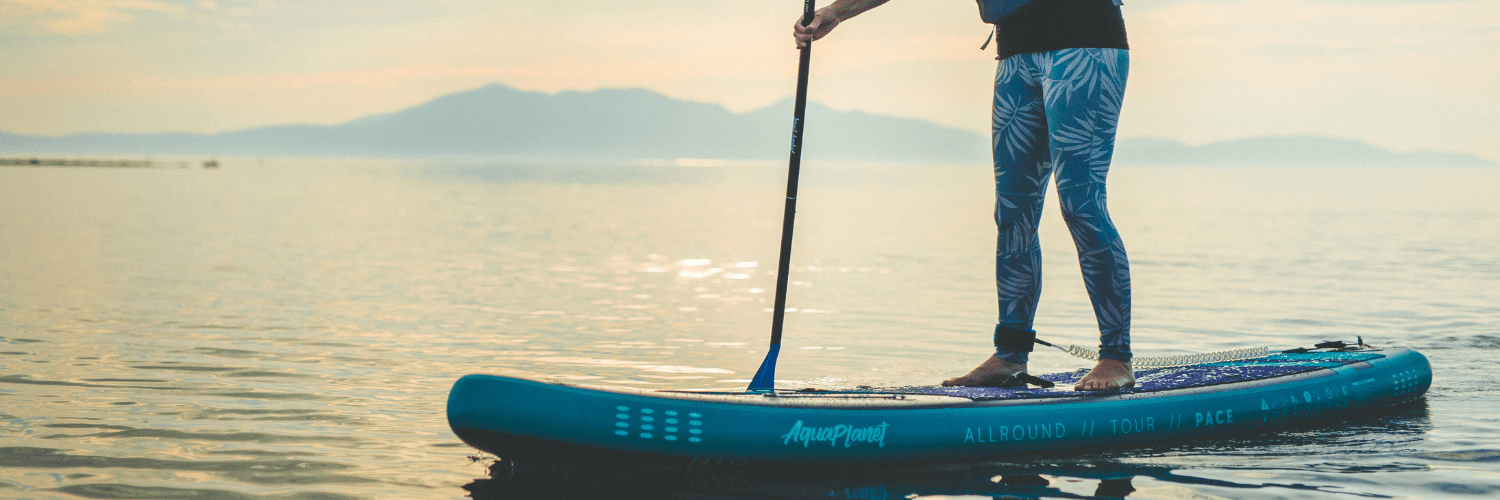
x: 765, y: 377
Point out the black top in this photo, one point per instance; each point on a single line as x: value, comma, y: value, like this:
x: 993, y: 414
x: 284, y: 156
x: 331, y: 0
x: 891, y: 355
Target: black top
x: 1044, y: 25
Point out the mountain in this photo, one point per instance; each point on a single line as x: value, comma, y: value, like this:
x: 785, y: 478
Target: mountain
x: 1283, y: 151
x: 501, y: 123
x: 609, y: 124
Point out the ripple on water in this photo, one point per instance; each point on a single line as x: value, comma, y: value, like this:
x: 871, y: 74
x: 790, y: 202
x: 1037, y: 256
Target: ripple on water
x: 27, y: 380
x: 121, y: 432
x: 255, y: 470
x: 271, y: 414
x: 273, y: 395
x: 124, y: 491
x: 1478, y: 455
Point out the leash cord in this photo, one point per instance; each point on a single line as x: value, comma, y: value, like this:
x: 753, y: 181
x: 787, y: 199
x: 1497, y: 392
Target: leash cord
x: 1167, y: 361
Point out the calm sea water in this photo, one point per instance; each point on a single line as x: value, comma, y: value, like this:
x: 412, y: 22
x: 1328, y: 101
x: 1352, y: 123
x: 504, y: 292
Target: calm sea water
x: 290, y: 329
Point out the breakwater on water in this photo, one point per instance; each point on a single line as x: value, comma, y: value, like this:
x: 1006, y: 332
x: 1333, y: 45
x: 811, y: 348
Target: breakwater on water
x: 62, y: 162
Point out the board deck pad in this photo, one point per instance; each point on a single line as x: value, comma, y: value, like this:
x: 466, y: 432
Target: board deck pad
x: 1151, y: 380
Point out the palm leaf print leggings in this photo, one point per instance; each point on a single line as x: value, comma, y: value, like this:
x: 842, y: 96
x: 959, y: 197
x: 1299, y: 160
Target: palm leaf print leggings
x: 1055, y: 113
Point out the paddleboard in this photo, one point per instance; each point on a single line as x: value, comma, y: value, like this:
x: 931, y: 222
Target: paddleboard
x: 521, y: 418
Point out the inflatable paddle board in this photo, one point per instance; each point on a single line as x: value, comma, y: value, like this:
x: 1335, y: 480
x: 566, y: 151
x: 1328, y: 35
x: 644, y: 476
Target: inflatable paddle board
x: 532, y: 419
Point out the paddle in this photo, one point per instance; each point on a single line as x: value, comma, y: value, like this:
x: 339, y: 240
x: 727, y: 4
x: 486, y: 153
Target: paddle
x: 765, y: 377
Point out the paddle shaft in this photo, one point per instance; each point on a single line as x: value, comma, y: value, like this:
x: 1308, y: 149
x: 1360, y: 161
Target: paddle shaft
x: 765, y: 377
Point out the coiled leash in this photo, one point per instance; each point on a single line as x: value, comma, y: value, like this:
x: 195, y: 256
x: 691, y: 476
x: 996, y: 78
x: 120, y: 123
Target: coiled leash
x: 1207, y: 357
x: 1021, y: 340
x: 1023, y: 378
x: 1167, y: 361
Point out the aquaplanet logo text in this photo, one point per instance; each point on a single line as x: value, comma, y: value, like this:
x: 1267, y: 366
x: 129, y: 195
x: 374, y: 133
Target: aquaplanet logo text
x: 836, y: 435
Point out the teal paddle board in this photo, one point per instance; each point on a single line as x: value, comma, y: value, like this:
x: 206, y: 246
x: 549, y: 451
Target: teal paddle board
x: 519, y: 418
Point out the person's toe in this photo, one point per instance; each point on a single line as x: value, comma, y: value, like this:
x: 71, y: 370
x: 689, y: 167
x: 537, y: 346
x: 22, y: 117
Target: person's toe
x: 959, y: 381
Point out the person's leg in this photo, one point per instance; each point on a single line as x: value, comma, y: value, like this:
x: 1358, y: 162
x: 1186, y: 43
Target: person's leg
x: 1084, y: 92
x: 1022, y: 170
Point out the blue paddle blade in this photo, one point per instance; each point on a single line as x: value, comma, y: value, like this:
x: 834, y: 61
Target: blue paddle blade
x: 765, y: 377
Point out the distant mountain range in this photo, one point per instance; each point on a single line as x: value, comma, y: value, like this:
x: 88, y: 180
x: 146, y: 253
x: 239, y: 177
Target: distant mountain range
x: 501, y: 123
x: 1290, y: 151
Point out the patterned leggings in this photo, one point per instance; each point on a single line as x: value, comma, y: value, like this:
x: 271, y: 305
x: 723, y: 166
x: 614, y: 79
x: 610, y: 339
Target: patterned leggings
x: 1055, y: 112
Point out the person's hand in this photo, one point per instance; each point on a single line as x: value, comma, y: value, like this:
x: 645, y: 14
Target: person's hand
x: 821, y: 24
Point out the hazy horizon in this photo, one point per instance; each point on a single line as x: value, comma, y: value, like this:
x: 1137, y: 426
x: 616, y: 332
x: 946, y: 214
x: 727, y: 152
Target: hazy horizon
x: 500, y: 123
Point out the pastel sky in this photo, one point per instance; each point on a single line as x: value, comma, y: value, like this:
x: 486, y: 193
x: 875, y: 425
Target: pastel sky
x: 1401, y: 74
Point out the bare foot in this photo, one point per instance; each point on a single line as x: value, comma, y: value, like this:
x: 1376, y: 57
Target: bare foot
x: 1108, y: 375
x: 992, y: 371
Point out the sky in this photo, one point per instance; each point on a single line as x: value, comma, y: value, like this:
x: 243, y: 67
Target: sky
x: 1400, y: 74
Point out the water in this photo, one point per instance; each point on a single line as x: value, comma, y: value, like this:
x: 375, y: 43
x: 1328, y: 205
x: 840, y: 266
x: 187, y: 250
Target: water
x: 290, y: 329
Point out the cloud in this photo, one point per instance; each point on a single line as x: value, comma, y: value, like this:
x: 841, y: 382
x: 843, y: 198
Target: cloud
x: 78, y: 17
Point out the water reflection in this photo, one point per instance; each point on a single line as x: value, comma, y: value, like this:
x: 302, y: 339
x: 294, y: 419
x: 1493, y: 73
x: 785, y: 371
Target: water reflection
x: 1091, y: 473
x: 512, y: 481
